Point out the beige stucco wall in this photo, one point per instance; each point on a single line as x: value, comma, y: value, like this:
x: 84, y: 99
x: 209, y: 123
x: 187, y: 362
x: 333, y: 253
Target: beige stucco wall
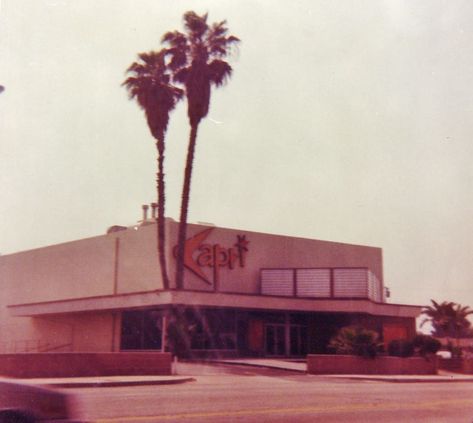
x: 70, y: 270
x: 80, y: 332
x: 273, y: 251
x: 120, y: 262
x: 93, y: 332
x: 126, y: 262
x: 138, y: 267
x: 23, y: 334
x: 83, y: 268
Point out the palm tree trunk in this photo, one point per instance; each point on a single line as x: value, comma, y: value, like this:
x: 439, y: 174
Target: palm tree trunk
x: 181, y: 239
x: 161, y: 221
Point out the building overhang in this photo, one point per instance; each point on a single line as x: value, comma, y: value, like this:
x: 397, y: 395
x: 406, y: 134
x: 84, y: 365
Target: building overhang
x: 210, y: 299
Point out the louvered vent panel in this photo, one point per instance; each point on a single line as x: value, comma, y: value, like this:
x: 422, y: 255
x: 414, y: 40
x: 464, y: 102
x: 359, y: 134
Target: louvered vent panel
x: 313, y: 282
x: 277, y: 282
x: 374, y: 287
x: 350, y: 283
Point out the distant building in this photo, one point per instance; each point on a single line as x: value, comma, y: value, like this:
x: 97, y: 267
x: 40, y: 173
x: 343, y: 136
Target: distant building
x: 245, y: 293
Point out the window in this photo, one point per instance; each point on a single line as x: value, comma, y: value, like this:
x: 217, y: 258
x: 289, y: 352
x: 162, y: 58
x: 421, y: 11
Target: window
x: 141, y: 330
x: 212, y: 329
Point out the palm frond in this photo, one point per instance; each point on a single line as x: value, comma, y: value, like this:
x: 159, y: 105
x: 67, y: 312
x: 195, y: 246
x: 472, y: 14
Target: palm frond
x: 219, y: 44
x: 195, y: 25
x: 150, y: 85
x: 174, y: 38
x: 182, y: 75
x: 177, y: 51
x: 219, y: 71
x: 196, y: 59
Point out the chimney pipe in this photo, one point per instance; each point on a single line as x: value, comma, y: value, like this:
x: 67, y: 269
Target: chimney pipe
x: 154, y: 207
x: 145, y: 212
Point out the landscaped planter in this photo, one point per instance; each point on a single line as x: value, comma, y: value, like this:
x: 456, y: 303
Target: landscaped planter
x: 382, y: 365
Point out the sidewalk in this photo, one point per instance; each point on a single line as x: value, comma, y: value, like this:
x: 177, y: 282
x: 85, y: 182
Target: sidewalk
x: 269, y: 363
x: 106, y: 381
x: 301, y: 367
x: 442, y: 377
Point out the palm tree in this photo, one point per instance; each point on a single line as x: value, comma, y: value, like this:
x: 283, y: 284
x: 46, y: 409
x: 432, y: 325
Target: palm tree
x: 151, y: 86
x: 439, y: 316
x: 197, y: 60
x: 448, y: 319
x: 459, y: 322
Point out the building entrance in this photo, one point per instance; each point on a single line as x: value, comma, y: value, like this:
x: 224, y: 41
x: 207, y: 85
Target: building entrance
x: 275, y: 339
x: 285, y: 339
x: 298, y: 340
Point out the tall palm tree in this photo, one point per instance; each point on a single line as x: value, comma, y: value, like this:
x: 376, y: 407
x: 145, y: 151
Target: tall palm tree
x: 150, y: 84
x: 197, y: 60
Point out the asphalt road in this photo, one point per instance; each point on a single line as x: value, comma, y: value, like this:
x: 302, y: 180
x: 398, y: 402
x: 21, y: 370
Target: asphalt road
x: 241, y: 394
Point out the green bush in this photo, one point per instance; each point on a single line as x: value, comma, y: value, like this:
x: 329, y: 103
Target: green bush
x: 426, y: 344
x: 356, y: 341
x: 401, y: 348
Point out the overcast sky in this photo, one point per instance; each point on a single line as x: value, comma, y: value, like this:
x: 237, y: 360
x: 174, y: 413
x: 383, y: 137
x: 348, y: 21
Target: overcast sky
x: 348, y: 121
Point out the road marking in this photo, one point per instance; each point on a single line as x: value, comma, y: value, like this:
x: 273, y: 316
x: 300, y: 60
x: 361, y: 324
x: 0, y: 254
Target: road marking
x: 293, y: 410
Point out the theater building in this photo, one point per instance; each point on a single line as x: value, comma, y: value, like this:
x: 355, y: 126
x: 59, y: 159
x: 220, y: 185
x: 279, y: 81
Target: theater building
x: 245, y: 293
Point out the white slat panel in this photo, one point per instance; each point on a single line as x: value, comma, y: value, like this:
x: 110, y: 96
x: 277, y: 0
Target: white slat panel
x: 277, y: 282
x: 350, y: 282
x: 374, y: 287
x: 313, y: 282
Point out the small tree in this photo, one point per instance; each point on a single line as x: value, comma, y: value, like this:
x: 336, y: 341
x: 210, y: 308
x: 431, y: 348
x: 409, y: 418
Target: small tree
x: 356, y: 340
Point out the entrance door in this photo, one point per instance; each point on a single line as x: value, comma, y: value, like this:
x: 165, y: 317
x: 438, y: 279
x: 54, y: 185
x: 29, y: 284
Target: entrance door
x: 275, y: 339
x: 298, y: 340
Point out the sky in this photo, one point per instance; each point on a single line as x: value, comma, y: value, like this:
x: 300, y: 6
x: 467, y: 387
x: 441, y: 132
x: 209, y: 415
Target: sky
x: 347, y: 121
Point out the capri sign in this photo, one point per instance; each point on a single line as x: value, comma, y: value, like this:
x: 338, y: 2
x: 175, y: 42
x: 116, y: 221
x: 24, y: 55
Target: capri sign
x: 199, y: 255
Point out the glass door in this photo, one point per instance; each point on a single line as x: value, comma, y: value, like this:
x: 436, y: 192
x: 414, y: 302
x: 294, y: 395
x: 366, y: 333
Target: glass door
x: 275, y: 339
x: 298, y: 340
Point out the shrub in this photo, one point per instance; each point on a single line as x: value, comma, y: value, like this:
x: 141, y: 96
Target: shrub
x: 401, y: 348
x: 357, y: 341
x: 457, y: 352
x: 426, y: 344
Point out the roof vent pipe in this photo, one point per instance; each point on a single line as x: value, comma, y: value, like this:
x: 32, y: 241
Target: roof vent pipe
x: 154, y: 207
x: 145, y: 212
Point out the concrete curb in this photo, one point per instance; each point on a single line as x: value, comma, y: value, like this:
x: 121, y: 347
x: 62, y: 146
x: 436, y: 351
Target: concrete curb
x: 107, y: 383
x: 372, y: 378
x: 401, y: 379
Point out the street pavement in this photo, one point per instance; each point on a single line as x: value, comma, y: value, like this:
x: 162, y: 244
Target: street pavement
x: 244, y: 393
x: 265, y: 391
